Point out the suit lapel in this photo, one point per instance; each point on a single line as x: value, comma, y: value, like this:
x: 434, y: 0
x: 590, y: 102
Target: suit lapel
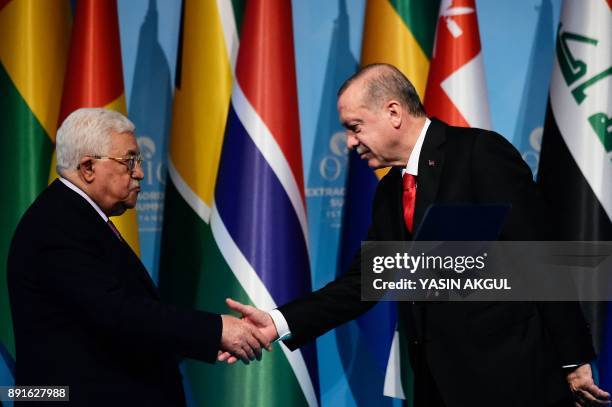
x: 431, y: 162
x: 91, y: 217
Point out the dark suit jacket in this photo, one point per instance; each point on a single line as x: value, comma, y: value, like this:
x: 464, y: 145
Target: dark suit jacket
x: 503, y: 354
x: 87, y: 315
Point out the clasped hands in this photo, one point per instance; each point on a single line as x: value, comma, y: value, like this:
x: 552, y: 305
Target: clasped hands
x: 243, y: 339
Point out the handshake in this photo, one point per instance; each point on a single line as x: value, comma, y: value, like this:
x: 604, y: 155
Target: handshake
x: 243, y: 339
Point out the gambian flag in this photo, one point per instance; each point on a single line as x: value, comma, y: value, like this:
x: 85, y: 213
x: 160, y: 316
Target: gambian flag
x: 192, y: 271
x: 34, y: 39
x: 456, y: 89
x: 400, y: 33
x: 246, y: 238
x: 94, y: 78
x: 575, y: 171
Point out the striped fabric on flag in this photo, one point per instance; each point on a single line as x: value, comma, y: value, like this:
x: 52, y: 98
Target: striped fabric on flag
x: 246, y: 238
x: 95, y: 78
x: 575, y: 171
x: 456, y: 89
x: 34, y: 39
x: 192, y: 271
x: 397, y: 32
x: 401, y: 33
x: 259, y: 214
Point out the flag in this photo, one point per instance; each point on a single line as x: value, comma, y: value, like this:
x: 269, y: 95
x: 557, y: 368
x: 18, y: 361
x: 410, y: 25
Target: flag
x: 259, y: 215
x: 34, y: 39
x: 94, y: 78
x: 246, y: 238
x: 192, y: 271
x: 456, y: 90
x: 575, y: 171
x: 397, y: 32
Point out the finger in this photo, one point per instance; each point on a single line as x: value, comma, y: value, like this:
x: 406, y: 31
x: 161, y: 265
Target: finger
x: 241, y: 354
x: 249, y: 351
x: 232, y: 360
x: 590, y: 400
x: 237, y: 306
x: 253, y: 346
x: 580, y: 401
x: 223, y: 356
x: 597, y: 392
x: 246, y: 360
x: 256, y: 347
x: 261, y: 338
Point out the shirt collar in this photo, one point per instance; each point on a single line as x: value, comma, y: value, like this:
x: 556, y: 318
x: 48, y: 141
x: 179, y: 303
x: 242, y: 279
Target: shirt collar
x: 85, y: 196
x: 413, y: 161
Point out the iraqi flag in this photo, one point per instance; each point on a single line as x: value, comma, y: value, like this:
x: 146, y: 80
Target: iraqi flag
x: 575, y: 171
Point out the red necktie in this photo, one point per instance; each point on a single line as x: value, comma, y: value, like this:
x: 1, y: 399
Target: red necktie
x: 409, y: 198
x: 114, y: 229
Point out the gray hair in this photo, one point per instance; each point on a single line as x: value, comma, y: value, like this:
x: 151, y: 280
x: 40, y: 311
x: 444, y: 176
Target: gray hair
x: 384, y: 82
x: 87, y: 131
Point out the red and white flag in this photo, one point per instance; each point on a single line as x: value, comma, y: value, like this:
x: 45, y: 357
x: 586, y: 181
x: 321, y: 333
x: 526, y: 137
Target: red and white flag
x: 456, y: 90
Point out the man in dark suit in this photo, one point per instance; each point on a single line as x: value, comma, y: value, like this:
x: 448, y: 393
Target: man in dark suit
x: 86, y: 313
x: 463, y: 354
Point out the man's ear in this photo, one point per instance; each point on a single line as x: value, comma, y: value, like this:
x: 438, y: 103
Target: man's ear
x: 86, y: 169
x: 394, y: 113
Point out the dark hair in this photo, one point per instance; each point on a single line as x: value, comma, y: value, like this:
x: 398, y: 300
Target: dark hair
x: 384, y: 83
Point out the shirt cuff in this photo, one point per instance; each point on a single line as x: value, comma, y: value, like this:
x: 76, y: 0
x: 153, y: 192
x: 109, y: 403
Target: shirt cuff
x: 282, y: 328
x: 570, y: 366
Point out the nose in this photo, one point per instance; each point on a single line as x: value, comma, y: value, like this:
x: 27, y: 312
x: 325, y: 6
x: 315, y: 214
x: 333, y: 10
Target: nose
x: 351, y: 141
x: 138, y: 173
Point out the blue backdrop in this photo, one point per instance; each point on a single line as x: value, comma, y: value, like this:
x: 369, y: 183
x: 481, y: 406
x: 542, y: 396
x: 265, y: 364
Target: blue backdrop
x: 518, y: 46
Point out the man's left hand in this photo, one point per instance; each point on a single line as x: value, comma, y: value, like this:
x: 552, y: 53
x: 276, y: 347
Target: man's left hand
x: 585, y: 390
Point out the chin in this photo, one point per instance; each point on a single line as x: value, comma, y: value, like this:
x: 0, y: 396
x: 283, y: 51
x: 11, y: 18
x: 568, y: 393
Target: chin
x: 122, y: 207
x: 118, y: 211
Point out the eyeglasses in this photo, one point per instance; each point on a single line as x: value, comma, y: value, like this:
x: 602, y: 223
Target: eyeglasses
x: 130, y: 162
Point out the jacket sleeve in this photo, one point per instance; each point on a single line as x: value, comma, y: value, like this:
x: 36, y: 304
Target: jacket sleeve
x: 80, y: 280
x: 318, y: 312
x: 338, y: 302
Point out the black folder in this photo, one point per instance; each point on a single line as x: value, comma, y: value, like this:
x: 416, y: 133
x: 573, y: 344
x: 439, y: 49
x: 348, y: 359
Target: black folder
x: 462, y: 222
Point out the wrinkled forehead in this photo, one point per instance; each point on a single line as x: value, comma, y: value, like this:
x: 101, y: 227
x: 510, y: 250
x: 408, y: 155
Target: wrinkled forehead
x: 123, y: 144
x: 352, y: 97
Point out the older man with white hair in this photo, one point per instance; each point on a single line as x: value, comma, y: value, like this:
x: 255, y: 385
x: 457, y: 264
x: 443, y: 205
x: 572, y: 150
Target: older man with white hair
x: 85, y: 312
